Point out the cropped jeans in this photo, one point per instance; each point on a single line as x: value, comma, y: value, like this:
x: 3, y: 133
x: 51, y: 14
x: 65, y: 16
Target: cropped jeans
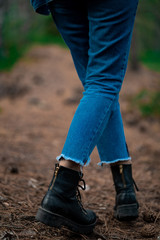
x: 98, y: 34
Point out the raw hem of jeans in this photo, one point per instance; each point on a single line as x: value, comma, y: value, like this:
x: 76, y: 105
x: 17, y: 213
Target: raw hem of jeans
x: 114, y: 161
x: 73, y: 159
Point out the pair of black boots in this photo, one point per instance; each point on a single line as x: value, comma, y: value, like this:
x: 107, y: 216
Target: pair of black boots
x: 61, y: 206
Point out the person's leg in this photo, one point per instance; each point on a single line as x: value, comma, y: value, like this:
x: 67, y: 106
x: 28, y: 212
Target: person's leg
x: 107, y: 61
x: 112, y: 145
x: 72, y: 22
x: 119, y: 18
x: 61, y: 206
x: 110, y: 28
x: 78, y: 44
x: 99, y: 97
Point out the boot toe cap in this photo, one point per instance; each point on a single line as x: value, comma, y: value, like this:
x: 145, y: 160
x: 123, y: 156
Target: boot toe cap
x: 92, y: 216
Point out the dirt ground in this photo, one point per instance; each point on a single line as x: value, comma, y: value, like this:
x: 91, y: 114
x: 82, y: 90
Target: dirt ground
x: 37, y: 101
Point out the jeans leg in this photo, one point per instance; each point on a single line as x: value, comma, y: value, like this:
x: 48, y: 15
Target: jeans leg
x: 108, y: 50
x: 112, y: 145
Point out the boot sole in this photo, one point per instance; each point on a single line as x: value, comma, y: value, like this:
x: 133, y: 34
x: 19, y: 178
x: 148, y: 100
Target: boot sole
x: 126, y: 212
x: 55, y: 220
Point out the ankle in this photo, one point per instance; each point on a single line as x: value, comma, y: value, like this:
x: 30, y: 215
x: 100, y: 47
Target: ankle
x: 70, y: 164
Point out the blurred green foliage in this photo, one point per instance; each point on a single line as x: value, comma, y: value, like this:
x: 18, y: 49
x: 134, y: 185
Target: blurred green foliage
x: 148, y: 103
x: 21, y: 28
x: 151, y: 59
x: 148, y: 33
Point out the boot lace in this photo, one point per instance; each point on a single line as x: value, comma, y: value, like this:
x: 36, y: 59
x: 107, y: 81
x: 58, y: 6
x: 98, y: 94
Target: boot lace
x: 78, y: 195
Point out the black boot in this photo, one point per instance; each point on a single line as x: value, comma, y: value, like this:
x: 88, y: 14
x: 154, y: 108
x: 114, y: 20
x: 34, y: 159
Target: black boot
x: 61, y: 206
x: 126, y: 207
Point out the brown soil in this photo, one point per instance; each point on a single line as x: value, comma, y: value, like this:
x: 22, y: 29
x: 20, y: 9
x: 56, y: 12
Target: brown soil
x: 37, y: 101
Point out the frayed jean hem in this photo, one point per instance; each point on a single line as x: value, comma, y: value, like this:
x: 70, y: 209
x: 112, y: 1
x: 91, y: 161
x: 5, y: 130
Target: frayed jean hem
x: 114, y: 161
x: 73, y: 159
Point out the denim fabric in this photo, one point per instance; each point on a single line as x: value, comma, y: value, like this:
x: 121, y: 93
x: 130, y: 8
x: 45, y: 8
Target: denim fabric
x: 98, y: 34
x: 41, y: 6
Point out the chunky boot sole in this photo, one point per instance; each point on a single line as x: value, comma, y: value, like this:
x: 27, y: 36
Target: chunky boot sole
x: 55, y: 220
x: 126, y: 212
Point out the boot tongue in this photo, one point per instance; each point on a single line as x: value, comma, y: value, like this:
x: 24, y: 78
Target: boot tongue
x: 68, y: 179
x: 71, y: 174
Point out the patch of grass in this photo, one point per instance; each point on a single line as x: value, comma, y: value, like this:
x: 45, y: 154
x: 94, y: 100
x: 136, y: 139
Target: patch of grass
x: 10, y: 57
x: 151, y: 59
x: 148, y: 103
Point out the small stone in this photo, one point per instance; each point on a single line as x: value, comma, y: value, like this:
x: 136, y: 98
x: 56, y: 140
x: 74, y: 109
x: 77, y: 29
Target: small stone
x: 6, y: 204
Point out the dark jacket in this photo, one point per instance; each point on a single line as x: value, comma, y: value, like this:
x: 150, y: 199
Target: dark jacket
x: 41, y: 6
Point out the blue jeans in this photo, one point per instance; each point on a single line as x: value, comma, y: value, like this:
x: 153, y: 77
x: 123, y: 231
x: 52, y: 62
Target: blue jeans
x: 98, y: 34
